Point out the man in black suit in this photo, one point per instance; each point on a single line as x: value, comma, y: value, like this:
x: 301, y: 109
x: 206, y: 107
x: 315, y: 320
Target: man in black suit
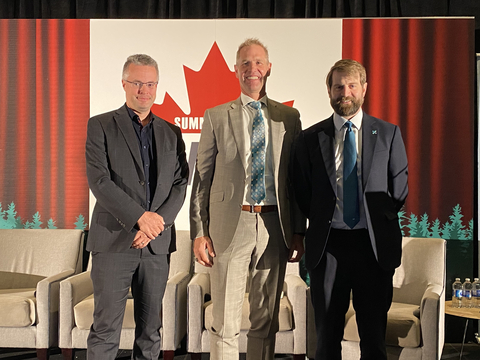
x: 137, y: 170
x: 350, y: 180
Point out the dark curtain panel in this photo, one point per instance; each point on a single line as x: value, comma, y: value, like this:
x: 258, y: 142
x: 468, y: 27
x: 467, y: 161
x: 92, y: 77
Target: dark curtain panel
x: 410, y: 84
x: 44, y: 82
x: 213, y: 9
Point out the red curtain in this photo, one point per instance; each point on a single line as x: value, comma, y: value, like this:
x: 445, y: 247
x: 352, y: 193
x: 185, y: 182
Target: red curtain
x: 44, y: 108
x: 420, y: 75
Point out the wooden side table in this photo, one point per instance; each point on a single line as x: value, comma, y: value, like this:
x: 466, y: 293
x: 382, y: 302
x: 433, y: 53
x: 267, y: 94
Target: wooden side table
x: 467, y: 313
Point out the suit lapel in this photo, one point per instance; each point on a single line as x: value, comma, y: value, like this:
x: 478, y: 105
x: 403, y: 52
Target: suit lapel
x: 125, y: 125
x: 277, y: 130
x: 236, y: 124
x: 369, y: 139
x: 326, y: 139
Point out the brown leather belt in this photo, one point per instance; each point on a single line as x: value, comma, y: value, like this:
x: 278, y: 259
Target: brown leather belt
x: 259, y: 208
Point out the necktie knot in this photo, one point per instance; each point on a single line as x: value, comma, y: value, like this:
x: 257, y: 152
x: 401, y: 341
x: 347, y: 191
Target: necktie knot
x: 257, y: 105
x: 349, y: 125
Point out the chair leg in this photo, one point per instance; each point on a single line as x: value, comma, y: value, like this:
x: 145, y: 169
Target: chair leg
x: 196, y: 356
x: 67, y: 354
x: 168, y: 354
x: 299, y: 357
x: 43, y: 354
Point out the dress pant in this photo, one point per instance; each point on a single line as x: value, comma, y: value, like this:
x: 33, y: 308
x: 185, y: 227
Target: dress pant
x: 349, y: 267
x: 112, y: 275
x: 257, y: 255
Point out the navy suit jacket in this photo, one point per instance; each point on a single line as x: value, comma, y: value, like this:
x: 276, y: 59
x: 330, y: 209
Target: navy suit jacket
x: 116, y: 177
x: 384, y: 179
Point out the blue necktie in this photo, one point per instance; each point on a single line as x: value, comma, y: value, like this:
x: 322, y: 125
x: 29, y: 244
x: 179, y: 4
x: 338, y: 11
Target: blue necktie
x: 257, y: 186
x: 351, y: 212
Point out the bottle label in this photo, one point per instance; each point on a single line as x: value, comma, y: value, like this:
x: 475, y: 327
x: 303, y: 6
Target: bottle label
x: 467, y: 294
x: 457, y: 293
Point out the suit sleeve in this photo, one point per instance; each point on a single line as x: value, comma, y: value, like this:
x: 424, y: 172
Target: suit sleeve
x: 299, y: 220
x: 108, y: 194
x: 202, y: 180
x: 302, y: 174
x: 398, y: 171
x: 172, y: 205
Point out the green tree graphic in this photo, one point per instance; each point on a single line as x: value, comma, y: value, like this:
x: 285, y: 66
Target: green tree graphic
x: 457, y: 229
x: 436, y: 229
x: 414, y: 226
x: 424, y: 226
x: 401, y: 218
x: 51, y: 224
x: 36, y: 224
x: 80, y: 224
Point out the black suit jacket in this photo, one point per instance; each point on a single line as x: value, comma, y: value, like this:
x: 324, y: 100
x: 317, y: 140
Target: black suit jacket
x: 384, y: 179
x: 116, y: 177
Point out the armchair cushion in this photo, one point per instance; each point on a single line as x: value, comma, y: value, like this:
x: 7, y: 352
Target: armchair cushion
x: 10, y: 280
x: 83, y: 313
x: 403, y: 326
x: 285, y: 316
x: 17, y: 307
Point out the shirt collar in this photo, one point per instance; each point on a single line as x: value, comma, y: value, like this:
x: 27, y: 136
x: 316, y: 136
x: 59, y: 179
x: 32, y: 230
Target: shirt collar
x: 247, y: 99
x: 135, y: 118
x: 340, y: 121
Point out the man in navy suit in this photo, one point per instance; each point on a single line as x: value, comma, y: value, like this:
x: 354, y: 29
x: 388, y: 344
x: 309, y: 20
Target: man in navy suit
x: 350, y: 180
x: 137, y: 170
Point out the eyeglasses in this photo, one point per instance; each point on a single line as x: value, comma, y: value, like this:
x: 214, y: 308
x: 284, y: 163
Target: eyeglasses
x: 139, y: 84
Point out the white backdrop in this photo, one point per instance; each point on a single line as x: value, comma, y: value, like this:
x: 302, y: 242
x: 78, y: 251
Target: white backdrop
x: 301, y: 53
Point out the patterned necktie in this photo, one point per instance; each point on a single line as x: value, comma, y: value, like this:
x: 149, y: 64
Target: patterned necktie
x: 257, y: 186
x: 351, y: 212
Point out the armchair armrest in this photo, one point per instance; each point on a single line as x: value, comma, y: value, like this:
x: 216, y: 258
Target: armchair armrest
x: 296, y: 290
x: 196, y: 290
x: 47, y: 294
x: 432, y: 315
x: 174, y: 310
x: 72, y: 291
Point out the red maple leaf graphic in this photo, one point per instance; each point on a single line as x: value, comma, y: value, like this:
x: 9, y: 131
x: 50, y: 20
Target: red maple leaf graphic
x: 212, y: 85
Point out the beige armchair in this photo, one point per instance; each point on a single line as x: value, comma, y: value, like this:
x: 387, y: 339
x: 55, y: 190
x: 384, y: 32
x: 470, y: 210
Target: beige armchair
x: 415, y: 328
x: 32, y: 264
x: 76, y: 306
x: 291, y: 339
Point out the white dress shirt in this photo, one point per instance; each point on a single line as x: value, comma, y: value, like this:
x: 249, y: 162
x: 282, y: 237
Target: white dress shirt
x: 340, y: 131
x: 248, y: 114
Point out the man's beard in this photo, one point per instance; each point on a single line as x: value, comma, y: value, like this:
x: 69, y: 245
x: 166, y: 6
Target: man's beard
x: 345, y: 110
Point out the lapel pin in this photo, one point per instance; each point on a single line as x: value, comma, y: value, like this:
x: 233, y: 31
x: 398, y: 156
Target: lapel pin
x: 374, y: 132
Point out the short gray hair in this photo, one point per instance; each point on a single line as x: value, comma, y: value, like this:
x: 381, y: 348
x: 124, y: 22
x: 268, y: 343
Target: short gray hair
x: 139, y: 59
x: 250, y: 42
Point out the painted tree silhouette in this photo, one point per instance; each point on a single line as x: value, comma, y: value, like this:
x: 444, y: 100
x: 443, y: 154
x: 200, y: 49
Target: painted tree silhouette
x: 424, y: 226
x: 457, y: 229
x: 51, y: 224
x: 436, y: 229
x: 414, y: 226
x: 80, y: 223
x: 401, y: 218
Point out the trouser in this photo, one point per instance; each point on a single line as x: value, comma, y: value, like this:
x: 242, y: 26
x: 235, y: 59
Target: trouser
x: 349, y: 267
x: 112, y: 275
x: 258, y: 254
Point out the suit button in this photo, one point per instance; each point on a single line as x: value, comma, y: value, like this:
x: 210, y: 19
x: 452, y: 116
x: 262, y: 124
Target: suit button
x: 142, y: 183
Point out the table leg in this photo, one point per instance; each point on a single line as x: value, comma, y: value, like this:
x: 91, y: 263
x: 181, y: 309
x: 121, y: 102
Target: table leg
x: 464, y: 335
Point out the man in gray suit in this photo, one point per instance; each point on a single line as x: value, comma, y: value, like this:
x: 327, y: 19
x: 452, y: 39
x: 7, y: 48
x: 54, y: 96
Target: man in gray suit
x: 137, y: 170
x: 243, y: 217
x: 350, y: 182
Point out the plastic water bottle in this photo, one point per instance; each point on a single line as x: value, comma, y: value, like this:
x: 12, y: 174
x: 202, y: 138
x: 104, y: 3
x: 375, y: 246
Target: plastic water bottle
x: 476, y: 293
x: 457, y: 293
x: 467, y: 293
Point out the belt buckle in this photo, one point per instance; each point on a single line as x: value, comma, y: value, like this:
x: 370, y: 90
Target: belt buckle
x: 252, y: 209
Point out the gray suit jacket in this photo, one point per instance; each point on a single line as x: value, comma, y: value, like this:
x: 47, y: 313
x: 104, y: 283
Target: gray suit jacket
x: 219, y: 180
x: 384, y: 178
x: 116, y: 178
